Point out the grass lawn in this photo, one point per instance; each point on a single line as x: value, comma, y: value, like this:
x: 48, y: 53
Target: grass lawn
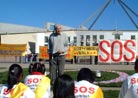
x: 111, y: 93
x: 73, y: 74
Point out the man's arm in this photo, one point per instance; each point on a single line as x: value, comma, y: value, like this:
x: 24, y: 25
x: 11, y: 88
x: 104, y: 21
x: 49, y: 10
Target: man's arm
x: 124, y: 89
x: 49, y: 45
x: 66, y: 45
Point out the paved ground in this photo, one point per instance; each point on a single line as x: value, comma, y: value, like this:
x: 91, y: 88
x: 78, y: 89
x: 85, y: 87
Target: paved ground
x: 120, y: 67
x: 5, y: 66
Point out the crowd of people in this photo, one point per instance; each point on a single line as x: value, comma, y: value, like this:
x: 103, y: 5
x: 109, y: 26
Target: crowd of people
x: 38, y: 85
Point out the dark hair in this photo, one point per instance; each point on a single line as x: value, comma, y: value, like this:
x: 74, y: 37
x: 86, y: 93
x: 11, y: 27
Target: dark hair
x: 86, y: 74
x: 37, y: 67
x: 14, y: 75
x: 55, y: 27
x: 136, y: 65
x: 63, y: 87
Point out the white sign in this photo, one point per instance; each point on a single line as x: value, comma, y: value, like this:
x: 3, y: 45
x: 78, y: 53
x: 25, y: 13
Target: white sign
x: 117, y: 51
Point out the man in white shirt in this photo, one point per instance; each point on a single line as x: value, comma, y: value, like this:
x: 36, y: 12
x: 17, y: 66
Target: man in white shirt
x: 57, y: 48
x: 130, y: 85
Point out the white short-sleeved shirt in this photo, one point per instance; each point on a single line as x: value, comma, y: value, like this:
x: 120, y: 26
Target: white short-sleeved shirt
x: 129, y: 87
x: 6, y: 94
x: 32, y: 82
x: 84, y: 89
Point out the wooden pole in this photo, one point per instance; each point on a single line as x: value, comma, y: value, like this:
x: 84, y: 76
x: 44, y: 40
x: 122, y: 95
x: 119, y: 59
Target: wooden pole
x: 0, y: 39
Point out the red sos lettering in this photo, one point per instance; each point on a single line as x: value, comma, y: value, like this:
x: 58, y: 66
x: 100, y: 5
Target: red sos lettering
x: 6, y: 91
x: 134, y: 80
x: 84, y: 89
x: 129, y: 50
x: 119, y: 43
x: 34, y: 80
x: 117, y: 46
x: 106, y: 43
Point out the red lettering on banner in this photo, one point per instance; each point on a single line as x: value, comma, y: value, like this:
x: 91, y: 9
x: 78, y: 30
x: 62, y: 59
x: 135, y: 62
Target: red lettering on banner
x: 120, y: 50
x: 124, y: 50
x: 103, y: 50
x: 129, y: 50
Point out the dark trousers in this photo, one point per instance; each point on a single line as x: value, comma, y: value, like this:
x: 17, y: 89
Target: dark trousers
x: 57, y: 64
x: 96, y: 60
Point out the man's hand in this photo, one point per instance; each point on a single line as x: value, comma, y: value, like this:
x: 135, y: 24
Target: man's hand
x: 60, y: 52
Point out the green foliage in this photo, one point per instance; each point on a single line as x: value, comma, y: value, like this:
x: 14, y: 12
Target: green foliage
x: 107, y: 76
x: 73, y: 74
x: 3, y: 77
x: 111, y: 93
x: 129, y: 72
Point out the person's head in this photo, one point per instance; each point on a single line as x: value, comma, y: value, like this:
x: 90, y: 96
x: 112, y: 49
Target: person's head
x: 86, y: 74
x: 15, y: 75
x: 136, y: 65
x: 63, y: 87
x: 36, y: 67
x: 58, y: 29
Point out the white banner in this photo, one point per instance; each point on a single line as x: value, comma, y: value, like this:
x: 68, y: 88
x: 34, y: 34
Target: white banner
x: 117, y: 51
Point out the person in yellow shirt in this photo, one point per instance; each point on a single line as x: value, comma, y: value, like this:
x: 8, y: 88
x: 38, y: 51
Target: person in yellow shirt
x: 37, y: 81
x: 14, y: 87
x: 84, y: 87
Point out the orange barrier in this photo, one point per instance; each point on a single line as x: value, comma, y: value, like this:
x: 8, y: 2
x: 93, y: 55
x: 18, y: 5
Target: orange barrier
x: 85, y: 51
x: 43, y: 53
x: 12, y: 49
x: 72, y: 51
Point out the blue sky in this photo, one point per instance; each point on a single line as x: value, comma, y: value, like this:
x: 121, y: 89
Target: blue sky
x: 67, y: 12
